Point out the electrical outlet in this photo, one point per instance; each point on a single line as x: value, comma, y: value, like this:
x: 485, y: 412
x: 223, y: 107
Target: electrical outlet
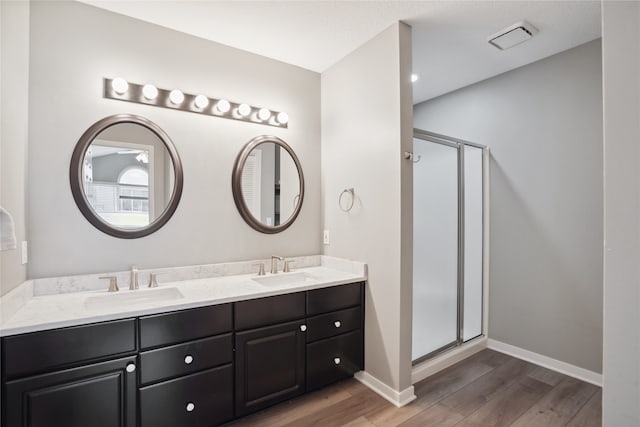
x: 325, y: 237
x: 25, y: 252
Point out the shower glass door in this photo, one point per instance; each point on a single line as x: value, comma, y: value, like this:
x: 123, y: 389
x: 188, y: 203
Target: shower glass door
x: 448, y: 243
x: 435, y: 247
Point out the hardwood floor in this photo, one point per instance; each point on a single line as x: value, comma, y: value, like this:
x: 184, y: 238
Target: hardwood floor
x: 488, y: 389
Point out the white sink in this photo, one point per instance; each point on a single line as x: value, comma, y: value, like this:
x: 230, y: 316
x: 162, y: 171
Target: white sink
x: 297, y: 278
x: 127, y: 298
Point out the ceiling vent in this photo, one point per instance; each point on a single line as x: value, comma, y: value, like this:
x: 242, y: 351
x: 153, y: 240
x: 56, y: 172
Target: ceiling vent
x: 513, y: 35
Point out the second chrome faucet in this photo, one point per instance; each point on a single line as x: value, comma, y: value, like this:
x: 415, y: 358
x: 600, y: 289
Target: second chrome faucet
x: 274, y: 264
x: 133, y: 278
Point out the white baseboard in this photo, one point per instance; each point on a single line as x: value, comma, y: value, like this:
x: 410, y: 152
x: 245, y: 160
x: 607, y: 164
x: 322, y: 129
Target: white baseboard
x: 399, y: 399
x: 446, y: 359
x: 547, y: 362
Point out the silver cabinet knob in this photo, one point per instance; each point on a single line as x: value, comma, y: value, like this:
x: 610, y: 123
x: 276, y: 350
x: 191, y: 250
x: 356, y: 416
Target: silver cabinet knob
x: 303, y: 328
x: 190, y: 407
x: 336, y: 360
x: 337, y: 323
x: 188, y: 359
x: 131, y: 367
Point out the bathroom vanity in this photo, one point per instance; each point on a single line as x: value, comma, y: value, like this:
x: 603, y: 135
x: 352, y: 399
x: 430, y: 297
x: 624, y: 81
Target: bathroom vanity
x: 197, y: 366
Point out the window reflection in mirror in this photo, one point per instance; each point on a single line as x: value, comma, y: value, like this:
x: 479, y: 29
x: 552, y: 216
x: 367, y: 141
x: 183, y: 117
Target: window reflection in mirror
x: 128, y: 176
x: 270, y: 184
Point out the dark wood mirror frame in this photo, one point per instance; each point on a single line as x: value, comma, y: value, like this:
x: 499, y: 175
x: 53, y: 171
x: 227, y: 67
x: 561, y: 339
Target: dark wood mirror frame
x: 76, y: 178
x: 236, y: 184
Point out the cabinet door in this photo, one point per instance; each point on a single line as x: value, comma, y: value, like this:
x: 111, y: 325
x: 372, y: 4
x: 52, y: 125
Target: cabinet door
x: 97, y: 395
x: 269, y: 366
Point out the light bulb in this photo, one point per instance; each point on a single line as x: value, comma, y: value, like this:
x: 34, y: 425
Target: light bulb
x: 223, y: 106
x: 264, y: 114
x: 283, y: 118
x: 201, y: 101
x: 150, y: 92
x: 176, y: 97
x: 119, y: 85
x: 244, y: 110
x: 414, y: 78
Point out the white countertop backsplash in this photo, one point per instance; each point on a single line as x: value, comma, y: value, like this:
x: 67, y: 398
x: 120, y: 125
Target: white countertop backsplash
x: 49, y: 303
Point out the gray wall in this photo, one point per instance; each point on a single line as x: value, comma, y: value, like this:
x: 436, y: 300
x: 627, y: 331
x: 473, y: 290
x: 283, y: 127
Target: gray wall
x: 366, y: 124
x: 543, y: 124
x: 73, y: 46
x: 13, y: 134
x: 621, y: 68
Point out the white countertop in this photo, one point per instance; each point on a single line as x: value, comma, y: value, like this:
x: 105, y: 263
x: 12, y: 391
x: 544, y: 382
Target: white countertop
x: 54, y: 311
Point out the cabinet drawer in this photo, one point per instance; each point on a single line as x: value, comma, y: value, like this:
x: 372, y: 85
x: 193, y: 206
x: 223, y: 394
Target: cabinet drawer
x: 333, y: 298
x: 185, y: 325
x: 268, y: 311
x: 332, y: 324
x: 181, y: 359
x: 202, y: 399
x: 47, y: 350
x: 333, y: 359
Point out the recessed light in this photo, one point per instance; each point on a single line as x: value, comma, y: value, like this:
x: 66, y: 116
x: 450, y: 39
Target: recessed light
x: 414, y: 78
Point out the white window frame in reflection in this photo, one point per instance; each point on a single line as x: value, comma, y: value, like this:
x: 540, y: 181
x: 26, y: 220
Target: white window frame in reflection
x: 112, y: 192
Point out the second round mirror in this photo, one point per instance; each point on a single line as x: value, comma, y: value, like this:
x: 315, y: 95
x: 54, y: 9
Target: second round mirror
x: 268, y: 184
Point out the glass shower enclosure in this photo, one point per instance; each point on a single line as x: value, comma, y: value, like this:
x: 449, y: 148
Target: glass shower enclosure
x: 448, y: 243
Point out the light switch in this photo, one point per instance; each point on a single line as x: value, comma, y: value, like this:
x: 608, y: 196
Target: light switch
x: 25, y: 252
x: 325, y: 237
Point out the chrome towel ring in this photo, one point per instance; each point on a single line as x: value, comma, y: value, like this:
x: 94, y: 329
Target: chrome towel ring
x: 351, y: 192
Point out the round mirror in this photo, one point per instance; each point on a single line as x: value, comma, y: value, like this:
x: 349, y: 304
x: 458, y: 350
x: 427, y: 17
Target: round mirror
x: 268, y: 186
x: 126, y: 176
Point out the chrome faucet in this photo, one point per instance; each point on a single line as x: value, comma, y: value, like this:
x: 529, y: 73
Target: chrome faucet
x: 153, y: 280
x: 113, y: 283
x: 274, y: 263
x: 133, y: 278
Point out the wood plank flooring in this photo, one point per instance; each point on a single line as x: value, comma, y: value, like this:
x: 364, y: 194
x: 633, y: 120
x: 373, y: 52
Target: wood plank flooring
x: 488, y: 389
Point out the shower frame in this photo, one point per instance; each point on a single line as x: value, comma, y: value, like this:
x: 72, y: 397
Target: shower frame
x: 459, y: 145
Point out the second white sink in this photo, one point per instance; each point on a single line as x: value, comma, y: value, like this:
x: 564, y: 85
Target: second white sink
x: 127, y: 298
x: 284, y: 279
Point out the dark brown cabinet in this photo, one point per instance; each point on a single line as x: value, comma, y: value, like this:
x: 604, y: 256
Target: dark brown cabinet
x: 270, y: 366
x: 335, y: 347
x: 98, y: 395
x: 188, y: 381
x: 197, y: 367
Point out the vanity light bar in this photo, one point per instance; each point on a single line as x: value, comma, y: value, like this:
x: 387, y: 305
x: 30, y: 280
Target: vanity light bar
x: 147, y: 94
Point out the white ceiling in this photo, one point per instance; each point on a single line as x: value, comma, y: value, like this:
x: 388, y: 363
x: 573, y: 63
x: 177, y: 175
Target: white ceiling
x: 449, y: 48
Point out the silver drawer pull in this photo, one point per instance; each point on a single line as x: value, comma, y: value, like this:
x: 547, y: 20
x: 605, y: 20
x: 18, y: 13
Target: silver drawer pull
x: 190, y: 407
x: 336, y: 360
x: 188, y: 359
x: 337, y: 323
x: 303, y: 328
x: 131, y: 367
